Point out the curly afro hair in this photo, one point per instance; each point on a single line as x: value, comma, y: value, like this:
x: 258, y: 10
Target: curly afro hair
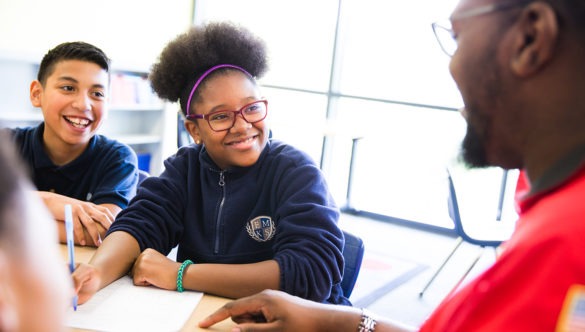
x: 189, y: 55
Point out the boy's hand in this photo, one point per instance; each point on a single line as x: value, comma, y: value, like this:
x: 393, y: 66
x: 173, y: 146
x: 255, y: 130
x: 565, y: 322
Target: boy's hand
x: 98, y: 213
x: 90, y: 221
x: 87, y: 217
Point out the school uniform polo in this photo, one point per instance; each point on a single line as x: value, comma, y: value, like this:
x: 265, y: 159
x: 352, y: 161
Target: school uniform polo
x: 106, y: 172
x: 538, y: 283
x: 279, y: 208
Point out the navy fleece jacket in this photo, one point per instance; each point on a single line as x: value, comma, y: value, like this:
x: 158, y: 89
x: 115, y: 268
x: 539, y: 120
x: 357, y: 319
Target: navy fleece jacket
x: 279, y: 208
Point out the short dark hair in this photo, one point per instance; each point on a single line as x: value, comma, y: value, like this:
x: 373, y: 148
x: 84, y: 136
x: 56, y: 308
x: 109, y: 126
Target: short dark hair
x: 190, y: 54
x: 71, y: 51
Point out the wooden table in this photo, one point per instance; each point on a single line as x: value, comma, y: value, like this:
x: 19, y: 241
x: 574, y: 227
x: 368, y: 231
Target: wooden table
x: 207, y: 305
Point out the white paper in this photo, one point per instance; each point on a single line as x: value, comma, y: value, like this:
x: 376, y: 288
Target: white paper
x: 121, y: 306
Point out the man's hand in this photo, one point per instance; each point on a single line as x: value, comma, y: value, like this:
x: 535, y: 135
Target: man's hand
x: 272, y: 310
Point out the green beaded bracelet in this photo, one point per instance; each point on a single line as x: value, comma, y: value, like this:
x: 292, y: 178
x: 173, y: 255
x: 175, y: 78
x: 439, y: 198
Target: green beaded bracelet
x: 180, y: 275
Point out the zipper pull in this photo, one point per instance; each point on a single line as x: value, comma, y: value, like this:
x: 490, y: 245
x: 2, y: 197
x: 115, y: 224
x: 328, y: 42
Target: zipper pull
x: 221, y: 180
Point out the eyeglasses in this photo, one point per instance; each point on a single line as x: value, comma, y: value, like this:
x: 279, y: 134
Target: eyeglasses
x: 224, y: 120
x: 444, y: 32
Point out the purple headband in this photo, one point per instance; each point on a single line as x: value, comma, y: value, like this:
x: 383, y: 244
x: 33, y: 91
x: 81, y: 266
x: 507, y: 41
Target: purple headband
x: 205, y: 74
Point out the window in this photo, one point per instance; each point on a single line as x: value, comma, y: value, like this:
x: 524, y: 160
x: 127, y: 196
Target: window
x: 362, y: 83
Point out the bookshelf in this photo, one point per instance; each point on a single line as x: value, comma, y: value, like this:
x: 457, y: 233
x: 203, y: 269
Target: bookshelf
x: 136, y: 116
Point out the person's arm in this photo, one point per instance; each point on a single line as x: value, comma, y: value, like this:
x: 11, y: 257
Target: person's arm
x: 279, y: 311
x: 90, y: 221
x: 232, y: 280
x: 112, y: 260
x: 228, y: 280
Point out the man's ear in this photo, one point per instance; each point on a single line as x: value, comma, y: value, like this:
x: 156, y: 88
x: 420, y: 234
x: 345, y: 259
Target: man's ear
x: 536, y: 38
x: 193, y: 130
x: 36, y: 89
x: 8, y: 316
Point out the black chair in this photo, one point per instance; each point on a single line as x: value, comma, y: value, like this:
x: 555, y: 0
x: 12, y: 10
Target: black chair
x: 142, y: 175
x: 486, y: 233
x: 353, y: 253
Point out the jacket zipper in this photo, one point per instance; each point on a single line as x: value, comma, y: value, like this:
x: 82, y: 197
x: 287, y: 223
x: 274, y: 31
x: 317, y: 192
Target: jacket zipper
x: 217, y: 222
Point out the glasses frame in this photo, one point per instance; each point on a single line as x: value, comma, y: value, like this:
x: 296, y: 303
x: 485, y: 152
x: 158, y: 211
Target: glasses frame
x: 240, y: 112
x: 482, y: 10
x: 444, y: 35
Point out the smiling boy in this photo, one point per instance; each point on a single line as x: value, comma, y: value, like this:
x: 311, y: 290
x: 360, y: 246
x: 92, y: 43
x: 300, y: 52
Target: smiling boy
x: 69, y: 163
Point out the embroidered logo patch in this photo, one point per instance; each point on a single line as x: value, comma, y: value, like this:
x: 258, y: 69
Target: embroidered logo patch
x: 572, y: 316
x: 261, y: 228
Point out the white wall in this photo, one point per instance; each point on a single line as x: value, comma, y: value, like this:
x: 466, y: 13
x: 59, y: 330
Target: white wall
x: 131, y: 32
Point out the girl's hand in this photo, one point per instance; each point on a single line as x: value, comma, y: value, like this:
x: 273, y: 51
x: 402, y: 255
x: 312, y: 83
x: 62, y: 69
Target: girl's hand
x: 86, y: 281
x: 154, y: 268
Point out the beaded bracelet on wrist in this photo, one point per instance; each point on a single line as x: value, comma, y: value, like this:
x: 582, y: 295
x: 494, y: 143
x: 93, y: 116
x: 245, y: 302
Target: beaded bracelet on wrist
x: 180, y: 275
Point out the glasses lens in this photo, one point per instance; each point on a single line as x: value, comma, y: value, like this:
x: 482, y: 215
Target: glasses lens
x: 445, y: 38
x: 254, y: 112
x: 222, y: 120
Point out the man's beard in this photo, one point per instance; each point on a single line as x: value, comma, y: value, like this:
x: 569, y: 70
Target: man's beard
x: 473, y: 152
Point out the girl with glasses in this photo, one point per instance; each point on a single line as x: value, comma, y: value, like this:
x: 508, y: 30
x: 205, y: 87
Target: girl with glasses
x: 247, y: 213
